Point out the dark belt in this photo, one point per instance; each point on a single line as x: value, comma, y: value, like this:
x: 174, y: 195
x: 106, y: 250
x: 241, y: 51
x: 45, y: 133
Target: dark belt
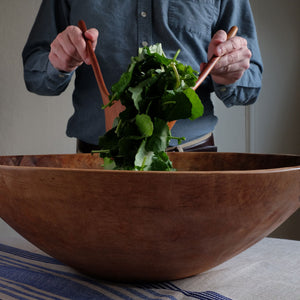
x: 201, y: 145
x: 205, y: 144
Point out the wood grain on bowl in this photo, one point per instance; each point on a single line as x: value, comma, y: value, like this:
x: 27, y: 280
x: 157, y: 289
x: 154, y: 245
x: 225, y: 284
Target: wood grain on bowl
x: 147, y: 226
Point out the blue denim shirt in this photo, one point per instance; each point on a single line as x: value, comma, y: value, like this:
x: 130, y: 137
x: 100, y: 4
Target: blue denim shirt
x: 126, y: 25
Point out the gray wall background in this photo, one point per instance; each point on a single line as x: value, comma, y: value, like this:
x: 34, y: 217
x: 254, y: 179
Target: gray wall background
x: 31, y: 124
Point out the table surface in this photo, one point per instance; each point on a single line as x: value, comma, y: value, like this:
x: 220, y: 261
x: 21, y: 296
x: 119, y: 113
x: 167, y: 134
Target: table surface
x: 268, y: 270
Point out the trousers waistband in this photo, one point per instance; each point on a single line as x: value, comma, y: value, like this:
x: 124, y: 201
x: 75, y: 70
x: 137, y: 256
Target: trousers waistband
x: 204, y: 144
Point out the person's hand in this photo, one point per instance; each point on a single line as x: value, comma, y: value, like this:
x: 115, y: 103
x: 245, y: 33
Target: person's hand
x: 235, y: 58
x: 68, y: 50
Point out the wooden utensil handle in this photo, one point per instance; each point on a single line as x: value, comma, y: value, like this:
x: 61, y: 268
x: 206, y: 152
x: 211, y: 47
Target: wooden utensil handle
x: 110, y: 112
x: 97, y: 71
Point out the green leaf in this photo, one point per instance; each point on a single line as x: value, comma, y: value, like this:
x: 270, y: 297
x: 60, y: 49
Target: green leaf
x: 136, y: 95
x: 157, y: 48
x: 109, y: 164
x: 144, y: 125
x: 127, y: 151
x: 175, y: 106
x: 109, y: 141
x: 143, y: 158
x: 119, y: 87
x: 181, y: 105
x: 161, y: 162
x: 160, y: 138
x: 142, y: 89
x: 197, y: 106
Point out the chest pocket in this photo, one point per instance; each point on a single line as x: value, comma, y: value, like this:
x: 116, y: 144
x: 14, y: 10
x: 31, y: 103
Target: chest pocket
x: 194, y: 16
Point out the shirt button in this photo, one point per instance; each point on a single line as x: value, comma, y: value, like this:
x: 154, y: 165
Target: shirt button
x: 144, y: 43
x: 143, y: 14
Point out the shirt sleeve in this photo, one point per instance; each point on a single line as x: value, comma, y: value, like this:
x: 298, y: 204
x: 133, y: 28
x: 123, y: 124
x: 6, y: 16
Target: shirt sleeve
x: 39, y: 74
x: 246, y: 90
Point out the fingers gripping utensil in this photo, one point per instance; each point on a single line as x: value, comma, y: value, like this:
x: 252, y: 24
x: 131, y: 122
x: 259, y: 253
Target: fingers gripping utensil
x: 213, y: 61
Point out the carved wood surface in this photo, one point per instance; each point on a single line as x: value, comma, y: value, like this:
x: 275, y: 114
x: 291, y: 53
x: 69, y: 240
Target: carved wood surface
x: 148, y: 226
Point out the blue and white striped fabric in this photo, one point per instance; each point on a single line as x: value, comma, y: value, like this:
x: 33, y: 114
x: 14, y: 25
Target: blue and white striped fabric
x: 26, y: 275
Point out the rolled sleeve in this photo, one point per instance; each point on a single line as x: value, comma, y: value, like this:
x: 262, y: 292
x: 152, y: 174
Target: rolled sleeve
x: 39, y: 75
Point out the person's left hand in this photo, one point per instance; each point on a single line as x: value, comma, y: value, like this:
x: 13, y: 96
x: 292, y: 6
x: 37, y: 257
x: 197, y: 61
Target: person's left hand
x: 235, y: 58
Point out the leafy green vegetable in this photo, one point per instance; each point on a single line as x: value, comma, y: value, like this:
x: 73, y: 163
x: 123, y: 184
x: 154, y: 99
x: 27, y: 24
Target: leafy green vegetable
x: 144, y: 124
x: 154, y: 90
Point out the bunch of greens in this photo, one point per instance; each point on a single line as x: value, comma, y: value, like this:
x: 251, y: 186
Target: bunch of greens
x: 155, y: 90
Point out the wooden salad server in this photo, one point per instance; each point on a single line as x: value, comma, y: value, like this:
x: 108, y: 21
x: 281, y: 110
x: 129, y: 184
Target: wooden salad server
x: 111, y: 112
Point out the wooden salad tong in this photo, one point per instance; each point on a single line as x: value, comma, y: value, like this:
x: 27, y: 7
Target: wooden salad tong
x: 111, y: 112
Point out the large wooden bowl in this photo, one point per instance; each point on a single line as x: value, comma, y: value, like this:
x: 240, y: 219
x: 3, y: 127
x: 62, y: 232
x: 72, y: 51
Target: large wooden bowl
x: 142, y: 226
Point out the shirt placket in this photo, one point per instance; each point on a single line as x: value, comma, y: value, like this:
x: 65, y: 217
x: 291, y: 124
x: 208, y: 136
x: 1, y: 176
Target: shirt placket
x: 144, y: 23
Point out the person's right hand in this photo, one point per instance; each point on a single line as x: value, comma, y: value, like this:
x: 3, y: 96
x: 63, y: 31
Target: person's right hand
x: 68, y: 50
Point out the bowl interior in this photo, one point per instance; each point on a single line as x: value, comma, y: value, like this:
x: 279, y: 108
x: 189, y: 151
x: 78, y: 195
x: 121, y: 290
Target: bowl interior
x: 181, y: 161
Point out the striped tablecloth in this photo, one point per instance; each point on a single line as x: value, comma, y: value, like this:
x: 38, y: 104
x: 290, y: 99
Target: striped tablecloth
x: 28, y: 275
x: 269, y: 270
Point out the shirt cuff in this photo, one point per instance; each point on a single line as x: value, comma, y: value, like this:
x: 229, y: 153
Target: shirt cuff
x: 56, y: 75
x: 225, y: 92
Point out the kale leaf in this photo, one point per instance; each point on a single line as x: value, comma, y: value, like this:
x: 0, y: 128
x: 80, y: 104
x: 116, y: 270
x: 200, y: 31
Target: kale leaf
x: 154, y: 90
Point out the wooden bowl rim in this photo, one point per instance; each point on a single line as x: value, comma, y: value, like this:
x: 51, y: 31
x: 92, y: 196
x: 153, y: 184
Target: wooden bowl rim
x: 142, y: 173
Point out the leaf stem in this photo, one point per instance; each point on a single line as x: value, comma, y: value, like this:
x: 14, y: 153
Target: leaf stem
x: 118, y: 127
x: 100, y: 151
x: 169, y: 102
x: 173, y: 65
x: 179, y: 139
x: 176, y: 55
